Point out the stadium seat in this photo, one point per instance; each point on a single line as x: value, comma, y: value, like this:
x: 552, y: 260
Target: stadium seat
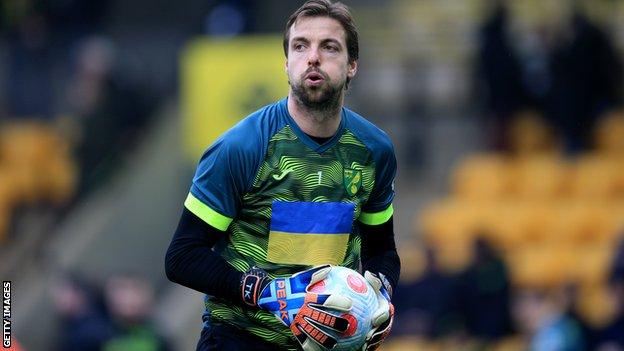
x: 445, y: 220
x: 511, y: 343
x: 38, y: 159
x: 447, y: 227
x: 616, y: 214
x: 61, y: 179
x: 609, y: 134
x: 596, y: 177
x: 592, y: 263
x: 5, y: 221
x: 482, y: 177
x: 583, y: 223
x: 507, y: 224
x: 412, y: 260
x: 7, y: 202
x: 540, y: 266
x: 541, y: 177
x: 8, y: 191
x: 529, y: 135
x: 595, y: 304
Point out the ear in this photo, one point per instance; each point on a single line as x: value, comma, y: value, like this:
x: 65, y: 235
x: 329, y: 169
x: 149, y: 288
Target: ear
x: 352, y: 69
x: 286, y: 66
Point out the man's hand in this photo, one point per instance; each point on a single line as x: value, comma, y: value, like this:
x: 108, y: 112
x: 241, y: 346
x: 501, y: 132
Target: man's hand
x: 290, y: 300
x: 383, y: 316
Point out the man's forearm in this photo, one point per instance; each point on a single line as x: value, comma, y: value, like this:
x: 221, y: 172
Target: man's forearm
x: 379, y: 253
x: 191, y: 262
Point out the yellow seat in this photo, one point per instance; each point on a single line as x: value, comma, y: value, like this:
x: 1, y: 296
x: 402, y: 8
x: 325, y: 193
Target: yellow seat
x: 596, y: 177
x: 583, y: 223
x: 615, y: 211
x: 481, y: 177
x: 38, y: 158
x: 61, y: 180
x: 539, y: 178
x: 609, y: 134
x: 520, y: 223
x: 5, y: 222
x: 528, y: 134
x: 512, y: 343
x: 540, y: 266
x: 448, y: 227
x: 412, y: 260
x: 505, y: 224
x: 447, y: 220
x: 596, y: 305
x: 592, y: 263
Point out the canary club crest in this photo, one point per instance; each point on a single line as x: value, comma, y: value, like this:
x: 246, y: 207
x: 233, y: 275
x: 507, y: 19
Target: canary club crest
x: 352, y: 179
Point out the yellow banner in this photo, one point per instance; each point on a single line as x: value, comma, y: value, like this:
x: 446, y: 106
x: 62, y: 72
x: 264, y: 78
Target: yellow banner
x: 224, y: 80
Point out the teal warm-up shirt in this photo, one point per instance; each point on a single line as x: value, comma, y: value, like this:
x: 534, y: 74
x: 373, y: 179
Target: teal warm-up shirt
x: 288, y: 203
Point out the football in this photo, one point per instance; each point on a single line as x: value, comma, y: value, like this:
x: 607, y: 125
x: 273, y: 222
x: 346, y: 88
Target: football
x: 347, y: 282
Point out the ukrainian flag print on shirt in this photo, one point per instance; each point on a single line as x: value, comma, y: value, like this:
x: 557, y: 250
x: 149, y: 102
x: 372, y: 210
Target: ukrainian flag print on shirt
x: 310, y: 233
x: 287, y: 203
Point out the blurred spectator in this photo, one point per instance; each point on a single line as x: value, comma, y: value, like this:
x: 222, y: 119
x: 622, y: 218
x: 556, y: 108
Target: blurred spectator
x: 75, y: 19
x: 83, y: 325
x: 570, y: 300
x: 500, y: 71
x: 617, y: 266
x: 40, y: 35
x: 485, y: 293
x: 541, y: 314
x: 109, y: 111
x: 566, y: 67
x: 130, y: 301
x: 586, y: 80
x: 611, y: 338
x: 426, y: 307
x: 29, y: 81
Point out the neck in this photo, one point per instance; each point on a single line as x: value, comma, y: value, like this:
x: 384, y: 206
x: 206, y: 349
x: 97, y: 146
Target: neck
x: 318, y: 123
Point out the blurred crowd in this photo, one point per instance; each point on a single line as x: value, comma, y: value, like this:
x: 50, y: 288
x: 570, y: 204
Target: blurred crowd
x: 64, y: 81
x: 559, y: 65
x: 526, y: 250
x: 115, y: 317
x: 70, y: 113
x: 479, y: 307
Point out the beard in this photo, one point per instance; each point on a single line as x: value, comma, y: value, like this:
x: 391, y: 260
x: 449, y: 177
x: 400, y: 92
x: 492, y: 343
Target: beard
x: 324, y: 98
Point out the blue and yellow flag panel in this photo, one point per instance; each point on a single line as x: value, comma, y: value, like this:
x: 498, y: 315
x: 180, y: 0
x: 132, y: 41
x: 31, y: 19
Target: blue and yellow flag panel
x: 309, y: 233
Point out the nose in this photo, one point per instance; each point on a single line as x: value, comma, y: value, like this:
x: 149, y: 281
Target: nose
x: 314, y: 57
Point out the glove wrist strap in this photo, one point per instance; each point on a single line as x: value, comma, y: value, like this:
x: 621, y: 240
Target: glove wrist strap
x: 251, y: 284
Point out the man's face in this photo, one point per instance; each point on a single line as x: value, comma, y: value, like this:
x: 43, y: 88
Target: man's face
x: 318, y: 63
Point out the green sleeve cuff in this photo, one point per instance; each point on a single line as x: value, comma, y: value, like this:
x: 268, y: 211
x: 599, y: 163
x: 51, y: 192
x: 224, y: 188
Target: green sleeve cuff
x: 377, y: 217
x: 206, y: 213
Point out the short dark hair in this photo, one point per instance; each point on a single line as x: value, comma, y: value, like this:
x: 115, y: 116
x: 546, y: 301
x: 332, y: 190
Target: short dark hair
x: 325, y: 8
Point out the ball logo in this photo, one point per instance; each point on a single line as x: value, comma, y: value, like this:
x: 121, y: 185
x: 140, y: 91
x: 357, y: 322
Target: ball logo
x: 318, y: 287
x: 356, y: 284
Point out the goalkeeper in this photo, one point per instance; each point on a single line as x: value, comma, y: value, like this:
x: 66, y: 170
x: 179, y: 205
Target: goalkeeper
x: 296, y: 185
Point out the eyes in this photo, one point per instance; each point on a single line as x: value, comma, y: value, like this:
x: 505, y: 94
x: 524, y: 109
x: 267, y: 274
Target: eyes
x: 328, y: 47
x: 331, y: 48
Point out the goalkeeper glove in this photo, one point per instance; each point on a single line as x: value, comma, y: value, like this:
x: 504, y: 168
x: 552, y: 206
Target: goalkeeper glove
x: 290, y: 300
x: 384, y: 315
